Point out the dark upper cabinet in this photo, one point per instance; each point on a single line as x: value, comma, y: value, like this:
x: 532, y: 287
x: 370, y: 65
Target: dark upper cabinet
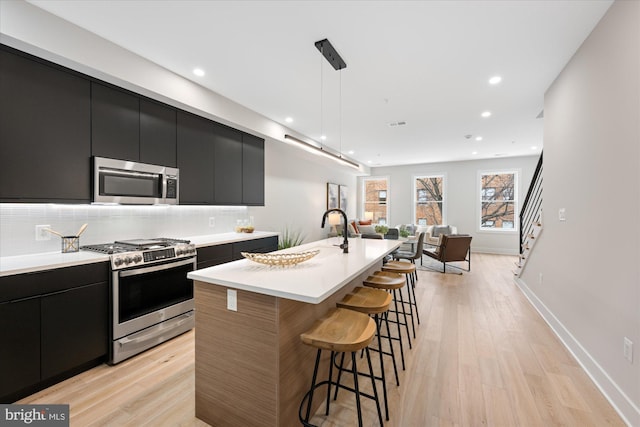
x: 115, y: 123
x: 20, y: 349
x: 252, y: 170
x: 157, y: 134
x: 195, y: 159
x: 44, y: 132
x: 227, y: 163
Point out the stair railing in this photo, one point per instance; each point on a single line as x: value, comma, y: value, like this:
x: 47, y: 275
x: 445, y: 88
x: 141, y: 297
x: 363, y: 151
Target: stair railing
x: 531, y: 208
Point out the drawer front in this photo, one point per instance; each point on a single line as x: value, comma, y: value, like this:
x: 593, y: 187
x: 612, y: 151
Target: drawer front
x: 29, y: 285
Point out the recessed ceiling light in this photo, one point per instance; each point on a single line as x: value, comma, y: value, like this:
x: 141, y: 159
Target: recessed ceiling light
x: 198, y: 72
x: 486, y: 114
x: 323, y: 137
x: 478, y: 138
x: 368, y: 161
x: 351, y: 152
x: 534, y: 148
x: 474, y: 152
x: 495, y: 80
x: 288, y: 120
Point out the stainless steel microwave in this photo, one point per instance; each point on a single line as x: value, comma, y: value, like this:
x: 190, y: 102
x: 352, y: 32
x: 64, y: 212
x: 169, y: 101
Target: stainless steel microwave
x: 125, y: 182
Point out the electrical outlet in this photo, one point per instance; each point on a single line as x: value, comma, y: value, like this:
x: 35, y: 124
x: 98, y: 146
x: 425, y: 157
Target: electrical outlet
x: 232, y: 300
x: 212, y: 221
x: 42, y: 233
x: 628, y: 349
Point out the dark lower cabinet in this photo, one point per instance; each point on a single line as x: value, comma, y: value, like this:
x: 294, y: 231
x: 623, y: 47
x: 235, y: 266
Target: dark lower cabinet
x: 20, y: 348
x: 53, y: 324
x: 263, y: 245
x: 209, y: 256
x: 74, y: 328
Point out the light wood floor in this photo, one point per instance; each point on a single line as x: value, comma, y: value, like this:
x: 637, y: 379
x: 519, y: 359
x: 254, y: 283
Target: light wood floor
x: 482, y: 356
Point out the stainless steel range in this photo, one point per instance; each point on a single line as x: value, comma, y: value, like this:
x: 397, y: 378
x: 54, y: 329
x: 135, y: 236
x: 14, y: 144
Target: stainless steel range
x: 151, y: 297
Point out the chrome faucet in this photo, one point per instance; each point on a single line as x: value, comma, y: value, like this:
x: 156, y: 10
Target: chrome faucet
x: 345, y: 244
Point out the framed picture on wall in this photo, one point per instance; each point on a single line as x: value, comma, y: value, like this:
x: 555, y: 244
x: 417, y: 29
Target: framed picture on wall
x: 333, y: 194
x: 344, y: 197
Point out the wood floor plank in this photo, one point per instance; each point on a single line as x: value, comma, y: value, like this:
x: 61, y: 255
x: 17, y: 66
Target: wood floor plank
x: 482, y: 356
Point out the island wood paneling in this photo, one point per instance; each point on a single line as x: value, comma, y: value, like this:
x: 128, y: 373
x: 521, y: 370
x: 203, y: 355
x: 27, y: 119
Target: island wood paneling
x: 251, y: 367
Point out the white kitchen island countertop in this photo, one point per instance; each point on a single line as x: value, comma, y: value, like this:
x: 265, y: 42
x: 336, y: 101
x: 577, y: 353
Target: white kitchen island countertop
x: 311, y: 281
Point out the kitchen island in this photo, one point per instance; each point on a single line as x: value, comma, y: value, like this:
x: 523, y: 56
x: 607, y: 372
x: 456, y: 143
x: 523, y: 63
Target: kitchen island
x: 251, y: 367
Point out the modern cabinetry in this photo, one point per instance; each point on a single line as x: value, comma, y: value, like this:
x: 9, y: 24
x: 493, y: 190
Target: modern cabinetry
x: 252, y: 170
x: 20, y: 349
x: 263, y: 245
x: 227, y: 161
x: 52, y: 120
x: 195, y: 159
x: 44, y: 132
x: 115, y: 123
x: 157, y: 133
x: 53, y: 324
x: 208, y: 256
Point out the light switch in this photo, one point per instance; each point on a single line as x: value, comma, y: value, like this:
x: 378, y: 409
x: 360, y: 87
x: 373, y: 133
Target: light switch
x: 232, y: 300
x: 562, y: 214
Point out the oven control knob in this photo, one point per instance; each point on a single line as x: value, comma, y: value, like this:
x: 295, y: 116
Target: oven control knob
x: 118, y: 262
x: 128, y: 260
x: 179, y: 252
x: 137, y: 258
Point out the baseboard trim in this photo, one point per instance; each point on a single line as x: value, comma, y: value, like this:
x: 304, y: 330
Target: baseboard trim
x: 628, y: 411
x: 494, y: 251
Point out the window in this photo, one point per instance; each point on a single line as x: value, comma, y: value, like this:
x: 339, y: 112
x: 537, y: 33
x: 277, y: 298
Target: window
x: 498, y: 200
x: 429, y: 200
x: 375, y: 199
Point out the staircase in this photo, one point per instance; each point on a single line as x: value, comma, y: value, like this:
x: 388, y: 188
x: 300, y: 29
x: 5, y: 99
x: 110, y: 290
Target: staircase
x: 530, y: 219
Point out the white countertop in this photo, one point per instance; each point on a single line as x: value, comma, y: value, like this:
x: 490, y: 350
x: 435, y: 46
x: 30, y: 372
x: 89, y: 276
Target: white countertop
x: 311, y: 281
x: 46, y: 261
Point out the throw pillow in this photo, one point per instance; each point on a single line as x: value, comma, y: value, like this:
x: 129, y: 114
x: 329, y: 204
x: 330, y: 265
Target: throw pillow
x: 440, y: 229
x: 366, y: 222
x: 367, y: 229
x: 355, y: 227
x: 351, y: 229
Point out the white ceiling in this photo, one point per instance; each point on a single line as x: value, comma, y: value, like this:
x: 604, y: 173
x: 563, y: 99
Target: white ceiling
x: 423, y: 62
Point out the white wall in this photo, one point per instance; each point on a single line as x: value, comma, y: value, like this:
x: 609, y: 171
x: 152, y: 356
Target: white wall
x: 461, y: 196
x: 584, y: 273
x: 295, y: 181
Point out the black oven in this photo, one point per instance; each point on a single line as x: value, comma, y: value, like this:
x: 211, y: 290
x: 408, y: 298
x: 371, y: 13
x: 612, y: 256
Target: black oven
x: 150, y: 304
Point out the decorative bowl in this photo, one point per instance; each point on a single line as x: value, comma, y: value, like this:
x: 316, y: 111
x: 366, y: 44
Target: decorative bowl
x: 281, y: 260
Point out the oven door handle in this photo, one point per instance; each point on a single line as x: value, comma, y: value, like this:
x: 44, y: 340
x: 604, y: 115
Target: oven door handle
x: 156, y: 268
x: 142, y: 338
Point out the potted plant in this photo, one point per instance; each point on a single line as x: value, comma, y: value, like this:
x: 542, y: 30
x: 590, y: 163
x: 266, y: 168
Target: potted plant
x: 403, y: 231
x: 289, y: 239
x: 382, y: 229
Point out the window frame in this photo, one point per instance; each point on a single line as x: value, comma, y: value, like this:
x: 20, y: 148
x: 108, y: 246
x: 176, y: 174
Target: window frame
x: 363, y: 200
x: 516, y: 201
x: 414, y: 196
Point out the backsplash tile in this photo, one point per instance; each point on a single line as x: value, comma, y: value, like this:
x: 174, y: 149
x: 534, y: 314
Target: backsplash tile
x: 107, y: 223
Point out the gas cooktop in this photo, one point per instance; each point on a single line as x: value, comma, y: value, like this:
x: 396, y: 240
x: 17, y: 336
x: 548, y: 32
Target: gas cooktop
x: 127, y: 253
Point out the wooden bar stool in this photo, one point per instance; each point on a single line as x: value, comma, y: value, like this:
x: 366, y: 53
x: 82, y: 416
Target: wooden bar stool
x: 372, y: 302
x: 340, y: 331
x: 408, y: 269
x: 392, y: 283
